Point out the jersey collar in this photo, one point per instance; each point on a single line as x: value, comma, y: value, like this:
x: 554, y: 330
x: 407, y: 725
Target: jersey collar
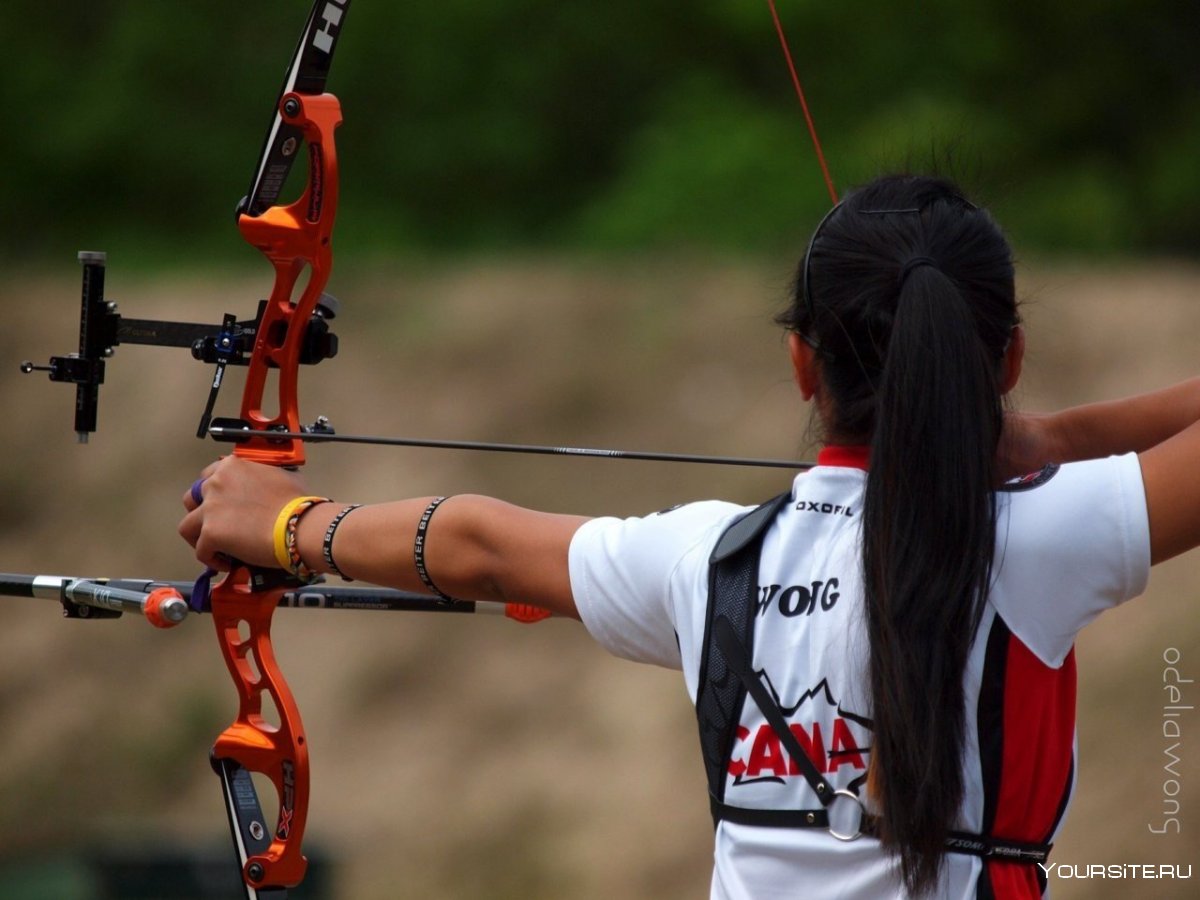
x: 844, y: 456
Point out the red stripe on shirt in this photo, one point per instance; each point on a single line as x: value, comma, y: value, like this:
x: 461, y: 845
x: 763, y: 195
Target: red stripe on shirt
x: 1036, y: 761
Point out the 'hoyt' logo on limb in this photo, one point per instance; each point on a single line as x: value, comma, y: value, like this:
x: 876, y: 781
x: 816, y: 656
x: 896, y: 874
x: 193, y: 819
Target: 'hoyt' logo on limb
x: 331, y: 18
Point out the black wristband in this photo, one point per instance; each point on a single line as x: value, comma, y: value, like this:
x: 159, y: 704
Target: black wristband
x: 327, y: 545
x: 419, y: 548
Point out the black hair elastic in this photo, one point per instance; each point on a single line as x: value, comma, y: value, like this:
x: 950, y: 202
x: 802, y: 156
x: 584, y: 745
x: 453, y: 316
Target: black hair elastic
x: 914, y: 263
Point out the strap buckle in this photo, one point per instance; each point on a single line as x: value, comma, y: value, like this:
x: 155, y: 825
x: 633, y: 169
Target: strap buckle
x: 836, y: 820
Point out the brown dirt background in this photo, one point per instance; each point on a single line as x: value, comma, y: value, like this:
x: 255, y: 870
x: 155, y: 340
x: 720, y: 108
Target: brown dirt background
x: 455, y: 757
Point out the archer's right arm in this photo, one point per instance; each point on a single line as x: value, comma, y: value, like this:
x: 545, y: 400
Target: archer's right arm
x: 1096, y: 430
x: 1162, y: 427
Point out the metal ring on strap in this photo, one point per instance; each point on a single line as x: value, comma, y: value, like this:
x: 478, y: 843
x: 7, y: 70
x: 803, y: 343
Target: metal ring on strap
x: 858, y: 831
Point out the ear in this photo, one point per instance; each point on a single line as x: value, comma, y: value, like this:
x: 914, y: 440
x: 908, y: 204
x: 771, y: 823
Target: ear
x: 1013, y: 357
x: 804, y: 365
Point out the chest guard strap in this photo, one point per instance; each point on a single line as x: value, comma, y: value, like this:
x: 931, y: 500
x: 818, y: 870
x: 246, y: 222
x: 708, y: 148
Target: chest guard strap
x: 726, y: 676
x: 733, y: 577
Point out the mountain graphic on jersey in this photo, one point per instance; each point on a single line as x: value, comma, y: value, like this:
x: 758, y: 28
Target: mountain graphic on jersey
x: 820, y: 724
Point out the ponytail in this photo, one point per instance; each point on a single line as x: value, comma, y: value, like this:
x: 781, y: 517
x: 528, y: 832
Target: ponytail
x: 928, y: 541
x: 906, y: 293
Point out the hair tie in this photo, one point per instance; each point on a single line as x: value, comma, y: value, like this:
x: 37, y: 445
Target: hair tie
x: 914, y: 263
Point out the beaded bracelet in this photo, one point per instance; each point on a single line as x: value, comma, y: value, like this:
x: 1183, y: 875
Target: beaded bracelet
x: 287, y: 553
x: 419, y: 549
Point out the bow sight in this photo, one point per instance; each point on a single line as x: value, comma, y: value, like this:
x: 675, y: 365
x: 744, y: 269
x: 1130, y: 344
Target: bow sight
x: 102, y: 329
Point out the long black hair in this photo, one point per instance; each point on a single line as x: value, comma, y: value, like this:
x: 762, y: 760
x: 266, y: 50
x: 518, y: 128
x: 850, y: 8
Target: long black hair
x: 906, y: 293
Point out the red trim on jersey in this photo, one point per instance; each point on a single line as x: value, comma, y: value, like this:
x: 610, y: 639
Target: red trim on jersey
x: 846, y: 457
x: 1036, y: 760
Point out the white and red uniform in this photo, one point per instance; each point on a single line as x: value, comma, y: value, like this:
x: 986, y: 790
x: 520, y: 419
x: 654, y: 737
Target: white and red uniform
x: 1070, y: 543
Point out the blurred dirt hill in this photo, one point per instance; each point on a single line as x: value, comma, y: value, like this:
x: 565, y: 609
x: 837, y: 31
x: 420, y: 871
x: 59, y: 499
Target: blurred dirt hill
x: 475, y: 758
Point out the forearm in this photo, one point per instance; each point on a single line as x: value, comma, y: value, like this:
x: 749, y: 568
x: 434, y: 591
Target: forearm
x: 474, y: 548
x: 1129, y: 425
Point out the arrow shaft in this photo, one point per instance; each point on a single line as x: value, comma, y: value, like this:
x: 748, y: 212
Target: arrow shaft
x: 221, y: 433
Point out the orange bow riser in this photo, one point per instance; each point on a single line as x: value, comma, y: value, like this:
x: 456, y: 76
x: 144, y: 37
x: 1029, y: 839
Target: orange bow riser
x: 296, y: 239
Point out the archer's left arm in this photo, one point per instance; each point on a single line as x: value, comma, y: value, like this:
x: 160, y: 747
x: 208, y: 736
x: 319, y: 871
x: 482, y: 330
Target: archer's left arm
x: 475, y: 548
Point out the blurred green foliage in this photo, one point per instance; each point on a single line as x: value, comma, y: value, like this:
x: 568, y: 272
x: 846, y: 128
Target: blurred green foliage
x: 629, y: 124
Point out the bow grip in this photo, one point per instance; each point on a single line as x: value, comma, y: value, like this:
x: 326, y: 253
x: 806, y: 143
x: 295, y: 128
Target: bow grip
x: 242, y: 615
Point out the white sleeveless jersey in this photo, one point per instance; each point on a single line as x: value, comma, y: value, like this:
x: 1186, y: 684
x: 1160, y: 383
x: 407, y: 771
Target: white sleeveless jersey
x: 1071, y: 542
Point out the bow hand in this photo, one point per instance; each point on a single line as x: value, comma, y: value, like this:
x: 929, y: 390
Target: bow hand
x: 236, y: 519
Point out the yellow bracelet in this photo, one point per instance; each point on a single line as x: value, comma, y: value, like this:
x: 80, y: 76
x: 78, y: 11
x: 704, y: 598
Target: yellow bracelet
x: 293, y: 509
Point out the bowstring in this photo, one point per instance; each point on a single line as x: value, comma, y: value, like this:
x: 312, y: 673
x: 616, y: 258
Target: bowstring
x: 812, y: 128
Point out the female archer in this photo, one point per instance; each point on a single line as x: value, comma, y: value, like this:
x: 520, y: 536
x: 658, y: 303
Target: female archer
x: 882, y: 658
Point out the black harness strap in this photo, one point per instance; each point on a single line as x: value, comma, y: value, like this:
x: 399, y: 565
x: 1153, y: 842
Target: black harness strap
x: 736, y: 656
x: 726, y: 676
x: 721, y: 693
